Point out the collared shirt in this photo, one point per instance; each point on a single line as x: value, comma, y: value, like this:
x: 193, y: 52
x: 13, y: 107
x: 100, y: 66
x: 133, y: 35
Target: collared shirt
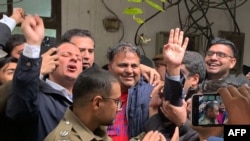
x: 71, y: 128
x: 204, y: 121
x: 31, y: 51
x: 60, y: 88
x: 10, y: 22
x: 175, y: 78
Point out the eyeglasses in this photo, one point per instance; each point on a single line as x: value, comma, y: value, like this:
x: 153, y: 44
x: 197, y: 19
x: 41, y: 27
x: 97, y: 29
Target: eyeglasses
x: 218, y: 54
x: 118, y: 102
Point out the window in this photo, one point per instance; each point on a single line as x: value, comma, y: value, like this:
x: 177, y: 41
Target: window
x: 49, y: 10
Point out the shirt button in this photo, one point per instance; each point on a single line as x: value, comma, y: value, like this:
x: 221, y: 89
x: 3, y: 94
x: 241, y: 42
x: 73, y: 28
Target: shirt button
x: 28, y: 64
x: 67, y: 122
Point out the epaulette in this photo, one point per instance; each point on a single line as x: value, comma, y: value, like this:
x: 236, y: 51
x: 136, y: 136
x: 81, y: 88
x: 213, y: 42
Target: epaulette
x: 63, y: 131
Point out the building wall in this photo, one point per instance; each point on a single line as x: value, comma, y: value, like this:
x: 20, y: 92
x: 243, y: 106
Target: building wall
x: 88, y: 14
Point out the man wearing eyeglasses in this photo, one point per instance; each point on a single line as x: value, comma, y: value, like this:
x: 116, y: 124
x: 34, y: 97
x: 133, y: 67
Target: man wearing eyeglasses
x: 95, y: 104
x: 220, y: 59
x: 96, y: 101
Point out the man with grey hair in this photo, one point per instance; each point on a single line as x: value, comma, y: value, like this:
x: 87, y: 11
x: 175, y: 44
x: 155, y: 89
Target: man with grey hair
x: 193, y: 66
x: 85, y: 41
x: 124, y: 62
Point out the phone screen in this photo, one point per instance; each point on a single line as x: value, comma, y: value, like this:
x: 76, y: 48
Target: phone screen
x: 208, y: 110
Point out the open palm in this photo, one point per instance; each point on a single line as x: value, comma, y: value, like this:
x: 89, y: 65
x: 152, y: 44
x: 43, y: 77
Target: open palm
x: 174, y: 50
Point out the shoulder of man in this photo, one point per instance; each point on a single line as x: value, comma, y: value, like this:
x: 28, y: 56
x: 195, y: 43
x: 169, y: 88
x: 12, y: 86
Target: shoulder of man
x: 237, y: 80
x: 61, y: 132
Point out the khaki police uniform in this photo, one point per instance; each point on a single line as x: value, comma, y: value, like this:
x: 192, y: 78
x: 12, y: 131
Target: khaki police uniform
x: 71, y: 128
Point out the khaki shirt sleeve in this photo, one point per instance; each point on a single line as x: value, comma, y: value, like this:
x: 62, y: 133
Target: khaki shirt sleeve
x: 138, y: 137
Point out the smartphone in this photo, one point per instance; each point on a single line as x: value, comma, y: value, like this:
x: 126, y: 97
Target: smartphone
x: 208, y: 110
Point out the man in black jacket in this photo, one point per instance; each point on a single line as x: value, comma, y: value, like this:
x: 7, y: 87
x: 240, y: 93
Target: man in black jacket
x: 38, y: 104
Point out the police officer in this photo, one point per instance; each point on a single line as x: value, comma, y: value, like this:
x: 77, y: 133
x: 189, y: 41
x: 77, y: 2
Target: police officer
x: 96, y: 96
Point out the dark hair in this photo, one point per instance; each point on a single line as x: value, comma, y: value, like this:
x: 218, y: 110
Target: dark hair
x: 66, y: 37
x: 91, y: 82
x: 7, y: 60
x: 211, y: 86
x: 195, y: 64
x: 210, y: 105
x: 232, y: 46
x: 245, y: 69
x: 14, y: 40
x: 122, y: 46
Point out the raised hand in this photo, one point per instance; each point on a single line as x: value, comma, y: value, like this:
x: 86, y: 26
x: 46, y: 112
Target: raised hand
x: 174, y: 50
x: 18, y: 15
x: 33, y: 29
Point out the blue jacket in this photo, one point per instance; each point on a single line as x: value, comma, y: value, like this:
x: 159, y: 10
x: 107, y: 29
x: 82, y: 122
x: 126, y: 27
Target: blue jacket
x: 33, y: 102
x: 138, y: 107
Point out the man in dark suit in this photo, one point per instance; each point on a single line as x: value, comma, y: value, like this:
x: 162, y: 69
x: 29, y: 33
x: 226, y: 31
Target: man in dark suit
x: 7, y: 25
x: 8, y: 127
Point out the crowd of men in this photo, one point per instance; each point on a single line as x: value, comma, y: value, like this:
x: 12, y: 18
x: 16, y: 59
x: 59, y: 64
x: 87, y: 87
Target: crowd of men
x: 61, y: 94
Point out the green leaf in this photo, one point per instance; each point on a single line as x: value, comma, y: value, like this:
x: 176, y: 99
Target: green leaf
x: 154, y: 5
x: 132, y: 11
x: 163, y: 1
x: 138, y: 20
x: 135, y: 1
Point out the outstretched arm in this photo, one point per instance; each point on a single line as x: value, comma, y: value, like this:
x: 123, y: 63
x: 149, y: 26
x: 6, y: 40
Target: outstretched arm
x: 23, y: 100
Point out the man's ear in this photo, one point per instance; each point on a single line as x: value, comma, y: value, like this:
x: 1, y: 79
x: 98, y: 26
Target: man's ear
x: 196, y: 78
x: 96, y: 102
x: 232, y: 62
x: 110, y: 67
